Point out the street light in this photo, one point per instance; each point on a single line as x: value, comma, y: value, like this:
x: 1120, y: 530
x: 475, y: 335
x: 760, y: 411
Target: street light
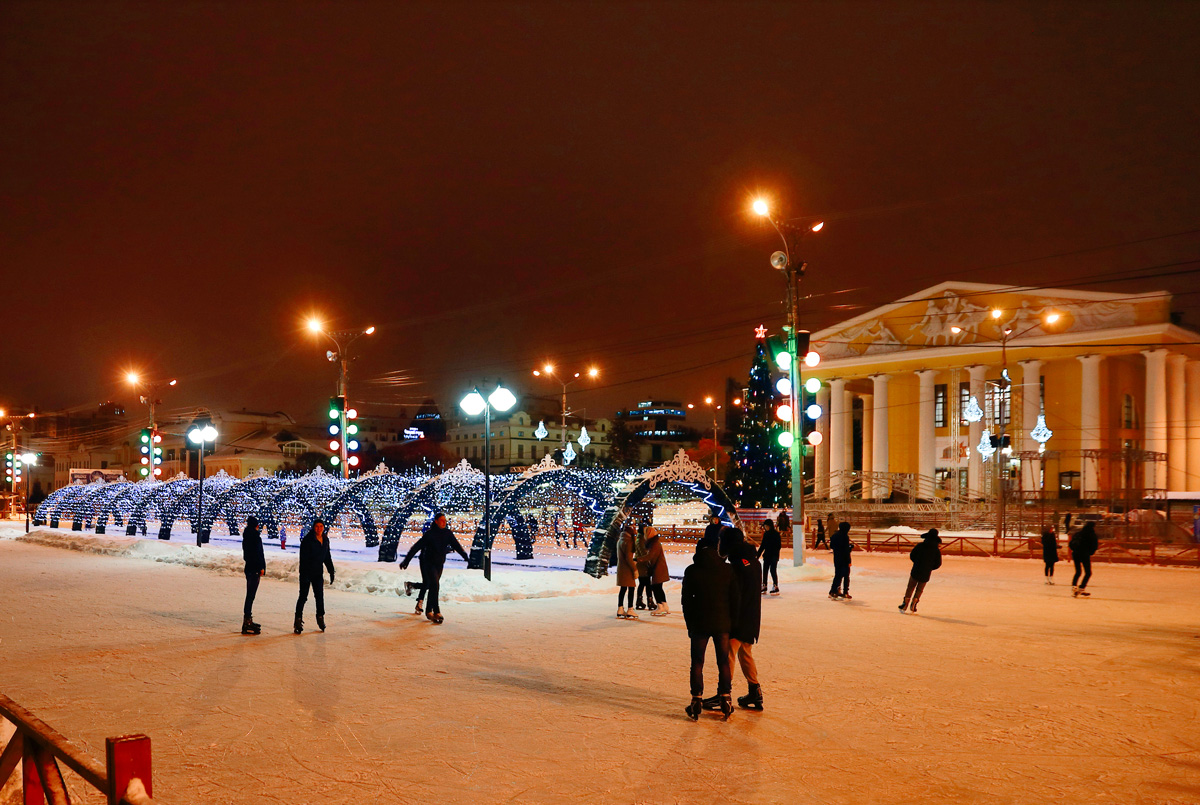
x: 784, y: 262
x: 548, y: 370
x: 200, y: 435
x: 150, y: 390
x: 342, y: 339
x: 474, y: 404
x: 709, y: 402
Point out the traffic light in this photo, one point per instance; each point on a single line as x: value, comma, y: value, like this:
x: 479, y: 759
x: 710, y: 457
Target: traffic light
x: 155, y: 453
x: 147, y: 440
x: 351, y: 437
x: 9, y: 461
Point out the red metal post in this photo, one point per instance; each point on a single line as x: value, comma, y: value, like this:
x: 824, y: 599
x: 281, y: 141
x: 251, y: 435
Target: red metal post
x: 128, y: 757
x: 868, y: 540
x: 34, y: 793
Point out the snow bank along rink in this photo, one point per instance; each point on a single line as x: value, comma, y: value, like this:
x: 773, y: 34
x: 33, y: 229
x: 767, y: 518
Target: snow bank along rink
x: 1002, y: 689
x: 363, y: 575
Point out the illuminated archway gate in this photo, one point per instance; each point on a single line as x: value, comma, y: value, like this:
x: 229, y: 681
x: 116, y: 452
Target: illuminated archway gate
x: 680, y: 470
x: 591, y: 491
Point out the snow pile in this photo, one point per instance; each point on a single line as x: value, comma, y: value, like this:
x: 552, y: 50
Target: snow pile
x: 458, y: 584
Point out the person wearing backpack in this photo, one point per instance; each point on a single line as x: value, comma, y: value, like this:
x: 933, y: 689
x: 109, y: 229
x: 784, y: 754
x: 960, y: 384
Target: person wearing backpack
x: 1083, y: 544
x: 926, y: 557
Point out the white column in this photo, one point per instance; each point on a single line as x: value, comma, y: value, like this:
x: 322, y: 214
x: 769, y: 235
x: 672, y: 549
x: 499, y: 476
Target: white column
x: 822, y: 460
x: 1031, y: 406
x: 848, y: 434
x: 1176, y: 424
x: 1089, y: 423
x: 1192, y: 380
x: 868, y: 437
x: 926, y: 444
x: 975, y: 433
x: 879, y: 438
x: 837, y: 437
x: 1155, y: 420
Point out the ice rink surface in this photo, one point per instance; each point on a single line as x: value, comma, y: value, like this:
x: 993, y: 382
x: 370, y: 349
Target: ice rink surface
x: 1002, y: 689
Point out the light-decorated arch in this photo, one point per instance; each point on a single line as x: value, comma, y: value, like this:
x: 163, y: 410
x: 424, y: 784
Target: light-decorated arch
x: 460, y: 487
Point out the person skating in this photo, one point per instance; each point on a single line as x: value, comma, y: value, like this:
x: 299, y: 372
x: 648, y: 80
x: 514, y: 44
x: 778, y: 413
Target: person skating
x: 712, y: 533
x: 643, y: 568
x: 768, y: 552
x: 820, y: 535
x: 742, y: 558
x: 1083, y: 544
x: 656, y: 562
x: 1049, y: 552
x: 255, y: 568
x: 926, y: 557
x: 841, y: 546
x: 433, y: 546
x: 314, y: 553
x: 710, y: 598
x: 626, y: 572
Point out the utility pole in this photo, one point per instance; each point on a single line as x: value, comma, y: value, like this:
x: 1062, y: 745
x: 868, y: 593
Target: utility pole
x: 342, y: 339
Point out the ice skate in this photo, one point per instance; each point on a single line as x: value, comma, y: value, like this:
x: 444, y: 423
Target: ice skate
x: 408, y: 588
x: 298, y: 626
x: 764, y: 588
x: 834, y: 596
x: 417, y: 611
x: 321, y: 622
x: 903, y: 606
x: 437, y: 619
x: 712, y: 702
x: 775, y: 590
x: 753, y: 700
x: 621, y: 612
x: 248, y: 626
x: 1050, y: 581
x: 913, y: 608
x: 429, y: 616
x: 726, y: 706
x: 661, y: 610
x: 1074, y: 591
x: 1082, y: 592
x: 641, y: 604
x: 693, y: 709
x: 847, y: 596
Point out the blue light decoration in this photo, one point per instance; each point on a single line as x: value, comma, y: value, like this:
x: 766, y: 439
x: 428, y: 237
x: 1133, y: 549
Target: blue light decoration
x: 972, y: 412
x: 1040, y: 433
x: 584, y: 440
x: 541, y: 431
x: 568, y: 454
x: 985, y: 445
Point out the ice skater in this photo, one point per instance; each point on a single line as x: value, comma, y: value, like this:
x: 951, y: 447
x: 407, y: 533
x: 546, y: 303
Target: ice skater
x: 626, y: 572
x: 660, y: 574
x: 314, y: 553
x: 709, y: 598
x: 768, y: 552
x: 926, y: 557
x: 1049, y: 552
x: 712, y: 533
x: 742, y: 558
x: 255, y: 568
x: 643, y: 568
x: 820, y: 540
x: 1082, y: 545
x: 433, y: 547
x: 841, y: 546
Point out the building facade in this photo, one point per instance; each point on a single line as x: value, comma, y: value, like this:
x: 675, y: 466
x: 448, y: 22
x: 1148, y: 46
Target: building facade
x: 515, y: 442
x: 959, y: 388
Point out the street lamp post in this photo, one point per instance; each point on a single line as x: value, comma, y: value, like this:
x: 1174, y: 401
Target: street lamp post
x: 198, y: 436
x: 474, y: 404
x: 549, y: 371
x: 342, y: 339
x: 709, y: 402
x: 150, y: 390
x: 784, y: 262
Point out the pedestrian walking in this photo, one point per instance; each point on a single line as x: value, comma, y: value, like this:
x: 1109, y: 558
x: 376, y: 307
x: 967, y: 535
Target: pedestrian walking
x: 626, y: 572
x: 314, y: 556
x: 255, y: 568
x: 1049, y: 552
x: 660, y: 574
x: 746, y: 570
x: 712, y: 533
x: 643, y: 568
x: 1082, y: 545
x: 710, y: 598
x: 926, y: 557
x: 433, y: 546
x: 841, y: 546
x: 784, y: 523
x: 820, y: 535
x: 768, y: 552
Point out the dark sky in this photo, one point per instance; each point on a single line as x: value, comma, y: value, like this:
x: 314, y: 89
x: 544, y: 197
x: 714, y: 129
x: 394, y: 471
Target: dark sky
x: 496, y: 184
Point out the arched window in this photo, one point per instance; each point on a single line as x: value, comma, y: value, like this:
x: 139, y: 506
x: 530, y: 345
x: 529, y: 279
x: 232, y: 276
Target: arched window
x: 1128, y: 413
x: 293, y: 449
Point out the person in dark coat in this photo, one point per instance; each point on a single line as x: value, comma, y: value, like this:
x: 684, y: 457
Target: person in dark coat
x: 712, y: 533
x: 433, y: 546
x: 768, y: 551
x: 1049, y: 552
x: 660, y: 574
x: 820, y: 535
x: 255, y: 568
x: 841, y: 546
x: 626, y: 571
x: 643, y: 568
x: 710, y: 599
x: 1083, y: 544
x: 784, y: 523
x: 926, y: 557
x: 314, y: 553
x: 746, y: 570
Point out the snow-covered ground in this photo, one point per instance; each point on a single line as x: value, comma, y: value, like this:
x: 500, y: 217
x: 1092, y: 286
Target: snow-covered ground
x: 1003, y: 690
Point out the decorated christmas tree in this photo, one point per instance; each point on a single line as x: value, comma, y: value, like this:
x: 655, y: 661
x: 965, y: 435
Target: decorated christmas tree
x: 758, y: 476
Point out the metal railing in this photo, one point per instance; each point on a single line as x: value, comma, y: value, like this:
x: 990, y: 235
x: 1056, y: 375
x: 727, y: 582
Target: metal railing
x: 124, y: 779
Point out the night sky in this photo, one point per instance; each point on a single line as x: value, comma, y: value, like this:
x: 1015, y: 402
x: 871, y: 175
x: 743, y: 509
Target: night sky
x: 493, y: 185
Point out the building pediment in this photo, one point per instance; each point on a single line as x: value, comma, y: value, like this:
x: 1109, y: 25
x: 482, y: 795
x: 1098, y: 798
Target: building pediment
x: 955, y: 313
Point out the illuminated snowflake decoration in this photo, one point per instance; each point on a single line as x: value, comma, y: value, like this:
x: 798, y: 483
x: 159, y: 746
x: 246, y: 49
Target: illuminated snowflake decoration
x: 1040, y: 433
x: 584, y: 440
x: 568, y: 454
x: 985, y: 445
x: 541, y: 431
x: 972, y: 412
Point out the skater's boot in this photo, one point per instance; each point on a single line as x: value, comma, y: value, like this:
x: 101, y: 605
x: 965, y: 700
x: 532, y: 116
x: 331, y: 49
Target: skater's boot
x: 298, y: 626
x: 248, y: 626
x: 257, y: 627
x: 408, y: 588
x: 693, y: 709
x: 1074, y: 591
x: 903, y: 606
x: 913, y: 607
x: 712, y: 702
x: 621, y: 612
x: 663, y: 609
x: 1083, y: 592
x: 775, y: 590
x: 726, y: 706
x: 640, y: 603
x: 847, y: 596
x: 321, y: 622
x: 752, y: 700
x: 764, y: 588
x: 418, y: 609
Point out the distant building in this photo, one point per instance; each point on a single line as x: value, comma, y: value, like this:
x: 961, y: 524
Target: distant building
x: 514, y: 441
x: 660, y: 427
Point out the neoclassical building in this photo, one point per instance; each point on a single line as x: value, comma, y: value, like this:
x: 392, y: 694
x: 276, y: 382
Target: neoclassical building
x: 1087, y: 395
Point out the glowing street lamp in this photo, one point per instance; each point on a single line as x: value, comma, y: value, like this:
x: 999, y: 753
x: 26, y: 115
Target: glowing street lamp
x: 549, y: 371
x: 474, y: 404
x: 342, y: 339
x: 200, y: 435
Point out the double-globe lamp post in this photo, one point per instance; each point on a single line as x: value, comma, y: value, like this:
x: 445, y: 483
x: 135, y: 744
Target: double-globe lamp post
x: 474, y: 404
x: 784, y: 262
x: 199, y: 436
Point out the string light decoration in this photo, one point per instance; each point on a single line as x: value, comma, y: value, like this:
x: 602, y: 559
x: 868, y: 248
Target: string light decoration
x: 568, y: 453
x: 584, y: 440
x: 985, y: 445
x: 541, y: 431
x: 972, y: 412
x: 1040, y: 433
